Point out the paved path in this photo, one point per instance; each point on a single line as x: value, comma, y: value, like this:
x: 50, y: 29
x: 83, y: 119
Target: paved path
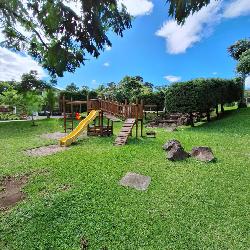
x: 35, y: 118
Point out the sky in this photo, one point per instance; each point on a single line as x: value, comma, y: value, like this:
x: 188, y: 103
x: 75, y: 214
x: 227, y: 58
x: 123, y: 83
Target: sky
x: 156, y: 48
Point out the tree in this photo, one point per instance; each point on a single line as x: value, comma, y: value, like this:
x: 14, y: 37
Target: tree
x: 239, y: 47
x: 4, y: 86
x: 10, y: 97
x: 30, y: 82
x: 201, y: 95
x: 243, y: 66
x: 72, y: 88
x: 240, y: 51
x: 50, y: 100
x: 58, y: 35
x: 181, y: 9
x: 31, y: 102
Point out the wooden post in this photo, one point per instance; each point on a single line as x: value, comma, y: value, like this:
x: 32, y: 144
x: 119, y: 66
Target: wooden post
x: 136, y: 117
x: 101, y: 123
x: 87, y: 104
x: 141, y: 117
x: 64, y: 114
x: 125, y: 109
x: 71, y: 107
x: 108, y: 128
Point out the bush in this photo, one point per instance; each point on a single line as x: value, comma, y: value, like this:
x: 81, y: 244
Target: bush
x: 202, y: 95
x: 8, y: 116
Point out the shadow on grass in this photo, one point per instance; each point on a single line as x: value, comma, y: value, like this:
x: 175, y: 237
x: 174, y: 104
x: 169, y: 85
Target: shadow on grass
x: 232, y: 121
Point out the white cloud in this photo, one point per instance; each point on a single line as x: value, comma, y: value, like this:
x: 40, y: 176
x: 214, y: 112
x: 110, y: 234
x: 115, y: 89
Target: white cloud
x: 201, y: 24
x: 138, y: 7
x: 247, y: 82
x: 237, y: 8
x: 215, y: 73
x: 172, y: 79
x: 106, y: 64
x: 108, y: 48
x: 181, y: 37
x: 13, y: 65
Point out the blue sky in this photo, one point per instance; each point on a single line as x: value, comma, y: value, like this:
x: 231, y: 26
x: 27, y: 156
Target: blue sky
x: 159, y: 50
x: 142, y: 52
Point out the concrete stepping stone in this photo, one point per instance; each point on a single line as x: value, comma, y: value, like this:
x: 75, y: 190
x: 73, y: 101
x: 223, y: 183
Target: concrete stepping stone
x: 137, y: 181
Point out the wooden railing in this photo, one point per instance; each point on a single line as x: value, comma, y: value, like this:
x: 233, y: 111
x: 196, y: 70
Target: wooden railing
x: 123, y: 110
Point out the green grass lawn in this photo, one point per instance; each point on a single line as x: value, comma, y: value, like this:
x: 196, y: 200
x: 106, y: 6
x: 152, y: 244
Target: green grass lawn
x: 189, y: 204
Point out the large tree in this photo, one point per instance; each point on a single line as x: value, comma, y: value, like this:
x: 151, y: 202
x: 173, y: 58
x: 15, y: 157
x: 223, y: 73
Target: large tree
x: 240, y: 51
x: 243, y: 66
x: 239, y: 47
x: 58, y: 34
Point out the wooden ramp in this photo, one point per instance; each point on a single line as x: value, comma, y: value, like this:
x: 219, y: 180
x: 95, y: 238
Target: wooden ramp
x: 126, y: 130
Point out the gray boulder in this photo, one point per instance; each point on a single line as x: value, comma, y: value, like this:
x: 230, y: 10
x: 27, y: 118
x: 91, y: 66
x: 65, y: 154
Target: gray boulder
x: 203, y: 154
x: 177, y: 154
x: 171, y: 144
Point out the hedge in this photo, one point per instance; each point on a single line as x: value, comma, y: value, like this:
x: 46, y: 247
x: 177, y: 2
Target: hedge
x: 202, y: 95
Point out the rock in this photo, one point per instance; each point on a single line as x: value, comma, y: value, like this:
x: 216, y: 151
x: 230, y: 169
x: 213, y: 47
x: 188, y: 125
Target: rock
x: 171, y: 129
x: 203, y: 154
x: 177, y: 154
x: 171, y: 144
x: 137, y: 181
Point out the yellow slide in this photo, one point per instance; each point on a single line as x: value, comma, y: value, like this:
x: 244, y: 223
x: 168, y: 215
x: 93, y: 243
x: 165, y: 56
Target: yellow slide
x: 71, y: 137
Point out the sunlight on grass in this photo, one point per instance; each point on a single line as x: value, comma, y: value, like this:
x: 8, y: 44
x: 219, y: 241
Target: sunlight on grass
x: 188, y: 205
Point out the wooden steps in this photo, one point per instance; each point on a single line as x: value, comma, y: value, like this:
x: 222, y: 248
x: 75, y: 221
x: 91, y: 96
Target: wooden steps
x: 125, y: 132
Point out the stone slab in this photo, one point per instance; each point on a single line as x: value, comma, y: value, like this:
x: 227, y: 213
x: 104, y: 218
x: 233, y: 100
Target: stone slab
x: 137, y: 181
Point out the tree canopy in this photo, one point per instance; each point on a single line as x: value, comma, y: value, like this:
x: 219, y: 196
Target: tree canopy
x: 181, y: 9
x: 239, y: 47
x: 58, y: 36
x: 244, y: 63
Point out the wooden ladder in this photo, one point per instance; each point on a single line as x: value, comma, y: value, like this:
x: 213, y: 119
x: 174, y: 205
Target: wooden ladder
x: 126, y: 130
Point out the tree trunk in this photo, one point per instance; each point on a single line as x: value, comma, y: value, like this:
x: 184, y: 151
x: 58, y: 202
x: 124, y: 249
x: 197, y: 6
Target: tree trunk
x: 208, y: 116
x: 217, y: 111
x: 242, y: 102
x: 33, y: 121
x: 191, y: 117
x: 222, y: 108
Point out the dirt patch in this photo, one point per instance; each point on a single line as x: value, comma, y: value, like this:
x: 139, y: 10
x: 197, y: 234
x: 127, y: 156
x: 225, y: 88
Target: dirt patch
x: 54, y: 136
x: 46, y: 150
x: 10, y: 191
x: 64, y: 187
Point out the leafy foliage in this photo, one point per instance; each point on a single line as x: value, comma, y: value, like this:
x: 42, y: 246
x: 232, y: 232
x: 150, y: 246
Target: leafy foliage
x: 181, y: 9
x: 243, y: 65
x: 238, y: 48
x: 10, y: 97
x: 50, y: 99
x: 201, y: 95
x: 58, y: 37
x: 72, y: 88
x: 31, y: 82
x: 129, y: 89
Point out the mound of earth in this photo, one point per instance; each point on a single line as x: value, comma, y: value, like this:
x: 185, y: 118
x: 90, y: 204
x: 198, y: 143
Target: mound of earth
x: 10, y: 191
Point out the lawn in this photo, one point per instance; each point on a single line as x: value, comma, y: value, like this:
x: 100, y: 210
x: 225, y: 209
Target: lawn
x: 74, y: 195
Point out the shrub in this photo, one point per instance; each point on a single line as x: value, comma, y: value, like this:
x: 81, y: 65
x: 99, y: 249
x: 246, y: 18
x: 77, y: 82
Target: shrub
x: 202, y: 95
x: 8, y: 116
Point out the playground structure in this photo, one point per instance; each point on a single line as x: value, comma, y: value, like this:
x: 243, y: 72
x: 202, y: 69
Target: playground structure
x: 100, y: 117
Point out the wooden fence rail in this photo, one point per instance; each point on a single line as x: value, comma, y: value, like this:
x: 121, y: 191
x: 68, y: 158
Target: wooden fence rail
x: 117, y: 109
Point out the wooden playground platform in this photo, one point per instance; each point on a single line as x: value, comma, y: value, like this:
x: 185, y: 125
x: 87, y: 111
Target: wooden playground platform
x: 109, y: 112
